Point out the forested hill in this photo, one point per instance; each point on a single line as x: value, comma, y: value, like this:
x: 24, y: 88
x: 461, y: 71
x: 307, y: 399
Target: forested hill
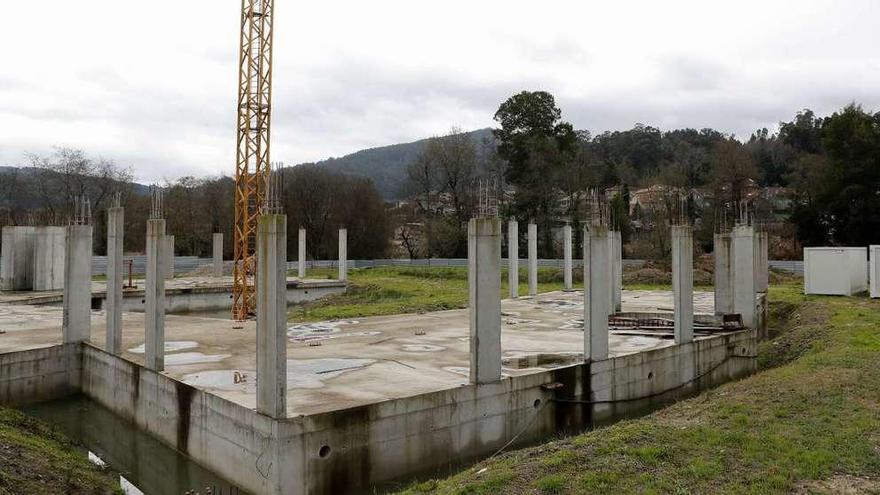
x: 387, y: 165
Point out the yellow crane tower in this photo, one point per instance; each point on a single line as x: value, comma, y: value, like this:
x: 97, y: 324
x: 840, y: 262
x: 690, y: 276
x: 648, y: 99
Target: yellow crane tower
x: 252, y: 153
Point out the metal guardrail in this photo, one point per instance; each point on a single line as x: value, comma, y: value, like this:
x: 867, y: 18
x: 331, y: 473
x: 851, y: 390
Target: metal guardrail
x: 183, y: 264
x: 788, y: 266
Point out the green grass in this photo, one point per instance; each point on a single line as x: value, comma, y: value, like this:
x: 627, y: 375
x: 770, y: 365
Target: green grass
x: 396, y: 290
x: 812, y: 413
x: 35, y: 458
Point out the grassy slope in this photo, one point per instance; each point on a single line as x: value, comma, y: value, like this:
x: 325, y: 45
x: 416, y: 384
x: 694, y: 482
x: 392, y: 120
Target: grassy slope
x: 393, y: 290
x: 34, y: 458
x: 815, y: 416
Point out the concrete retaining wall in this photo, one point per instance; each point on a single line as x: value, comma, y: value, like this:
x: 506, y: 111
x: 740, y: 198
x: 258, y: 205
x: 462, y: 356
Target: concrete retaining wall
x: 351, y: 450
x: 231, y: 440
x: 355, y: 449
x: 39, y: 374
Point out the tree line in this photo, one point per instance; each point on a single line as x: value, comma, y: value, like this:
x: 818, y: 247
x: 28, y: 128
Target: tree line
x: 45, y: 190
x: 826, y: 169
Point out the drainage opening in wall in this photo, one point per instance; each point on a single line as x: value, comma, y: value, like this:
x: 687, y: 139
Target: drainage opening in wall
x: 324, y: 451
x: 536, y: 403
x: 650, y: 375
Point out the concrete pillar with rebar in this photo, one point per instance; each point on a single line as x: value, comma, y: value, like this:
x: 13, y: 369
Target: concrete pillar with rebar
x: 115, y: 237
x: 745, y: 286
x: 77, y: 300
x: 683, y: 282
x: 533, y: 260
x: 513, y: 258
x: 597, y: 292
x: 272, y: 315
x: 154, y: 316
x: 484, y: 308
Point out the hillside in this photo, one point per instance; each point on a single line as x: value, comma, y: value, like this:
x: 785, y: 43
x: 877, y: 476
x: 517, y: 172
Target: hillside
x: 386, y: 165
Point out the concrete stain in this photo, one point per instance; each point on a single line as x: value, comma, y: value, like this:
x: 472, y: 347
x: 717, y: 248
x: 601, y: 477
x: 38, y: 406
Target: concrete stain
x: 185, y: 395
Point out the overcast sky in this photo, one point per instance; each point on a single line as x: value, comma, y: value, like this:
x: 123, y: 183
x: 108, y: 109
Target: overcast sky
x: 153, y: 84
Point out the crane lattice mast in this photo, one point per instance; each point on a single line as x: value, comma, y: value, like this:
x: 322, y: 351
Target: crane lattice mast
x: 252, y: 154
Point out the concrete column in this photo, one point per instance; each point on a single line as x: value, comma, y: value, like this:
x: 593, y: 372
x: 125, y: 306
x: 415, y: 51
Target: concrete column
x: 566, y: 257
x: 17, y: 269
x: 763, y: 243
x: 154, y: 316
x: 168, y: 252
x: 513, y: 259
x: 616, y: 271
x: 744, y: 278
x: 597, y: 292
x: 484, y: 303
x: 49, y: 248
x: 301, y: 260
x: 217, y: 253
x: 533, y: 260
x: 723, y: 274
x: 77, y: 313
x: 683, y: 282
x: 115, y: 236
x: 272, y: 315
x: 343, y: 255
x: 873, y: 253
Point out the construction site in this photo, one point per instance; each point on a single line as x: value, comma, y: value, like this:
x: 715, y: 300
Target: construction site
x: 209, y: 364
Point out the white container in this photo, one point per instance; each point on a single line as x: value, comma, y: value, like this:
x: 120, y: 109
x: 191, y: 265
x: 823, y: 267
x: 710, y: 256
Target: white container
x: 875, y: 270
x: 839, y: 271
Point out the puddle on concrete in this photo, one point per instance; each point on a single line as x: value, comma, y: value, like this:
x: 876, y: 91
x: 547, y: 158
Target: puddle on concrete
x: 560, y: 305
x: 146, y: 465
x: 170, y: 346
x: 636, y: 343
x: 421, y: 348
x: 459, y: 370
x: 323, y: 330
x: 301, y: 373
x: 519, y: 361
x: 573, y: 324
x: 193, y: 358
x: 519, y: 321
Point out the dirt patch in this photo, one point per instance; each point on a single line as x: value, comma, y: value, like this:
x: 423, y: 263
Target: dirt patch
x: 793, y: 330
x: 660, y: 273
x: 841, y: 484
